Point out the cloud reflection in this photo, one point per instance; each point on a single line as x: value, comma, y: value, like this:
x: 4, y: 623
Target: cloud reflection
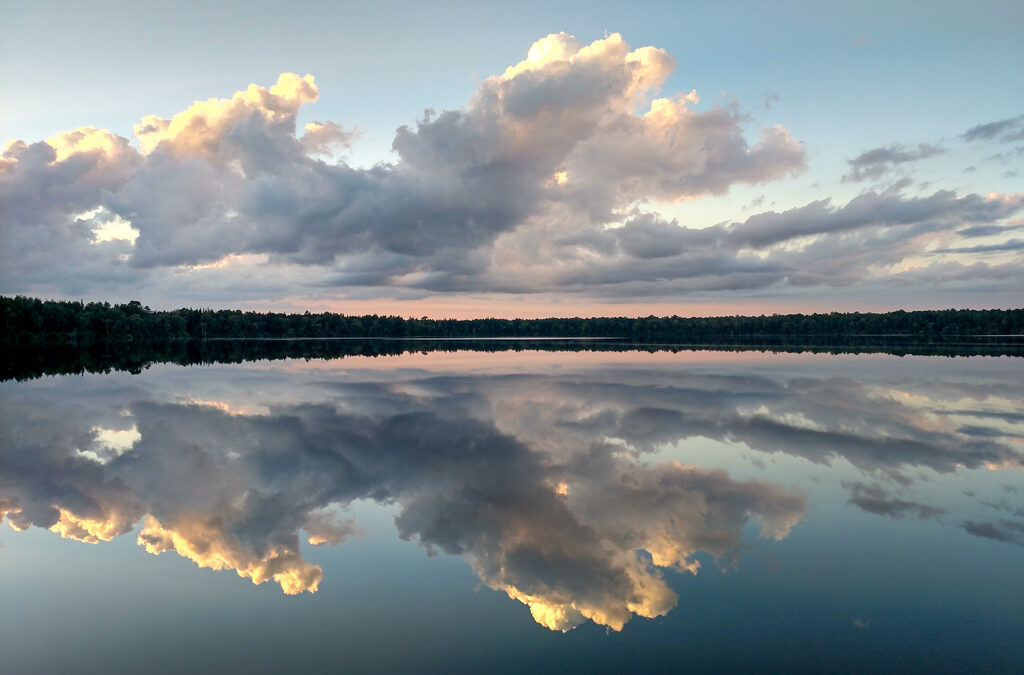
x: 550, y: 486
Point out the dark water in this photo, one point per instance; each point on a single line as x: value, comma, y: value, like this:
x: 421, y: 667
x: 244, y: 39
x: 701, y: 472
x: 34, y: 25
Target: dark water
x: 553, y: 511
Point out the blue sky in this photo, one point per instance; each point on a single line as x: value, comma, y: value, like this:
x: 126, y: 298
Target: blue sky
x: 841, y: 79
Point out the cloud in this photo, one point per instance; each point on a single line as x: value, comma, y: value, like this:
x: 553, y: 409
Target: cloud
x: 988, y: 230
x: 551, y: 178
x: 325, y: 138
x: 818, y: 244
x: 205, y: 542
x: 871, y: 209
x: 1008, y: 531
x: 551, y: 486
x: 1005, y: 157
x: 1010, y: 245
x: 874, y: 499
x: 48, y: 190
x: 230, y: 177
x: 1006, y: 130
x: 873, y: 164
x: 328, y: 528
x: 231, y: 489
x: 210, y: 128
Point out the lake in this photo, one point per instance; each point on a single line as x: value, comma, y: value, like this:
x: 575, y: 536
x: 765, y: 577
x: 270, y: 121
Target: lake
x: 548, y: 510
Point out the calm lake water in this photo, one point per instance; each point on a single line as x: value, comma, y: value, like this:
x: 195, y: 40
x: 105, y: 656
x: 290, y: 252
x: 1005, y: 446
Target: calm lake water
x: 551, y: 511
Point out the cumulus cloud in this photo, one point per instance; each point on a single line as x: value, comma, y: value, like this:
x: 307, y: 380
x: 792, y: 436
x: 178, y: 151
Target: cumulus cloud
x: 51, y: 192
x: 549, y: 179
x: 560, y: 529
x: 206, y: 542
x: 573, y: 128
x: 325, y: 138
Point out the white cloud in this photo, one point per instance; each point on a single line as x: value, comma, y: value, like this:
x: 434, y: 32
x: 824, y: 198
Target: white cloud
x: 512, y: 192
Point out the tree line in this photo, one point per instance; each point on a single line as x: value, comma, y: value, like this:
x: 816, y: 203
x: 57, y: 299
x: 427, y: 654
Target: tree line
x: 25, y: 320
x: 29, y: 361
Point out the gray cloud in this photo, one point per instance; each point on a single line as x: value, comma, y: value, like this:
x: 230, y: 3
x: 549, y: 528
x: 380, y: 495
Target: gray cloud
x: 231, y: 176
x: 873, y: 164
x: 987, y: 230
x: 1011, y: 245
x: 1009, y: 129
x: 558, y: 530
x: 47, y: 189
x: 871, y: 209
x: 546, y: 181
x: 1008, y: 531
x: 546, y: 484
x: 843, y: 245
x: 875, y: 499
x: 326, y: 138
x: 1007, y: 156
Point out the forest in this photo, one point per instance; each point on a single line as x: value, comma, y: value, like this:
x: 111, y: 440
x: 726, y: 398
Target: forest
x: 25, y: 321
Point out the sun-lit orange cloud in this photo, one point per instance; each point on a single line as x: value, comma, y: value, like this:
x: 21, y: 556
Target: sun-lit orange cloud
x: 1006, y: 463
x: 206, y: 543
x: 652, y: 598
x: 201, y: 128
x: 232, y: 259
x: 92, y: 530
x: 86, y: 139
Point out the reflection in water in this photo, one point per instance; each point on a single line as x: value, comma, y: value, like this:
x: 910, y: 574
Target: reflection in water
x: 554, y: 487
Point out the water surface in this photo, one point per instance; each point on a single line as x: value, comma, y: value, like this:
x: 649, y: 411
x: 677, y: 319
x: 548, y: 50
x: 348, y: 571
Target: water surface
x: 516, y: 510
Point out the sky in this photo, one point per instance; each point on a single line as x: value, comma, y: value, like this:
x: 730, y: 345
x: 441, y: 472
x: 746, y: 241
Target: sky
x: 466, y: 160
